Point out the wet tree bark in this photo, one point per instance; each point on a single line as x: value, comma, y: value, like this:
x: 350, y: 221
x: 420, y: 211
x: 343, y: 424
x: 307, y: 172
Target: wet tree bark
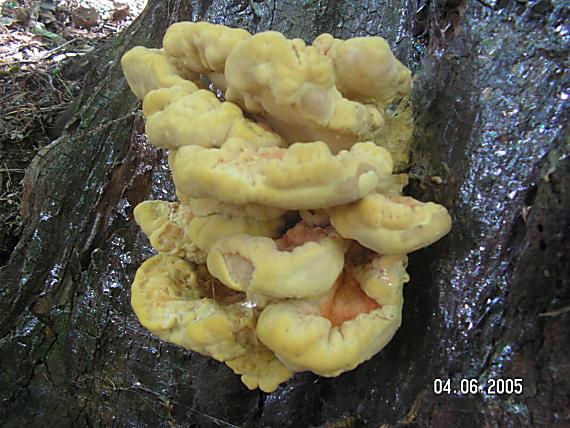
x: 490, y: 301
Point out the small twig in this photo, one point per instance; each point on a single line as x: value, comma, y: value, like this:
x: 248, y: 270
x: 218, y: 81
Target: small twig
x: 9, y: 176
x: 484, y: 3
x: 46, y: 77
x: 47, y: 54
x: 52, y: 108
x: 62, y: 82
x: 555, y: 312
x: 26, y: 109
x: 111, y: 122
x: 12, y: 170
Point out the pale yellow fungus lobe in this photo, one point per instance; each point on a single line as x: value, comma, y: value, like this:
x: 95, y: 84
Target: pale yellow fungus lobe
x: 201, y: 47
x: 151, y: 215
x: 260, y: 368
x: 346, y: 326
x: 293, y: 86
x: 305, y: 262
x: 168, y: 301
x: 176, y: 118
x: 149, y: 69
x: 365, y: 69
x: 382, y: 278
x: 206, y: 231
x: 173, y: 228
x: 304, y: 176
x: 391, y: 224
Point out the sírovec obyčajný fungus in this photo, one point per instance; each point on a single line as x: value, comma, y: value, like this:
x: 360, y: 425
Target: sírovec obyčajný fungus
x: 287, y: 248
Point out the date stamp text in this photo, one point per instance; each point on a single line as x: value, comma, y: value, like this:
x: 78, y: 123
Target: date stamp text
x: 491, y: 386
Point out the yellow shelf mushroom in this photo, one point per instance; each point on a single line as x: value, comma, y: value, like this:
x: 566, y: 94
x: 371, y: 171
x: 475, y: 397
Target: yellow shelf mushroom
x: 178, y: 113
x: 167, y: 299
x: 303, y: 176
x: 149, y: 69
x: 293, y: 87
x: 304, y: 262
x: 173, y: 228
x: 391, y: 224
x: 287, y: 249
x: 339, y: 331
x: 176, y: 119
x: 365, y: 69
x: 202, y: 48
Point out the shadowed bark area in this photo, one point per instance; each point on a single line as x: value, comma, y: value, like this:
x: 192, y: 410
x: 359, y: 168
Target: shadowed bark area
x: 489, y: 301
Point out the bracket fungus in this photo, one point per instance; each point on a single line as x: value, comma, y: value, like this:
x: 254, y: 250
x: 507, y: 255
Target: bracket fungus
x: 304, y: 262
x: 287, y: 249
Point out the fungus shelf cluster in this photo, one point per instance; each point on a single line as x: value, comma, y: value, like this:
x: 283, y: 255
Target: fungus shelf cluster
x: 287, y: 248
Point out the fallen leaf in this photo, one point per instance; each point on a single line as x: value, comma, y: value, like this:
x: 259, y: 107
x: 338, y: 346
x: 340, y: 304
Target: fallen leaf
x: 85, y: 17
x: 120, y: 12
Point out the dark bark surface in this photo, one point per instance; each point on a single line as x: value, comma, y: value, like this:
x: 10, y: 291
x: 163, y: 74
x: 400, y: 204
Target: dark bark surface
x: 489, y: 301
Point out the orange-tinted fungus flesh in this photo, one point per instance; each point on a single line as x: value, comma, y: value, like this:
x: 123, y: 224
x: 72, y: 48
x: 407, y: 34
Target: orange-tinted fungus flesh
x: 273, y: 154
x: 346, y: 301
x: 298, y: 235
x: 404, y: 200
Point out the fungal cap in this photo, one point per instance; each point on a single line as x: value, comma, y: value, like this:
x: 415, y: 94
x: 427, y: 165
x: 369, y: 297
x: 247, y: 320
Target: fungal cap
x: 301, y: 337
x: 304, y: 176
x: 383, y: 277
x: 150, y: 215
x: 292, y: 85
x: 149, y: 69
x: 165, y: 224
x: 167, y: 300
x: 201, y: 47
x: 256, y: 265
x: 366, y: 69
x: 177, y: 118
x: 206, y: 231
x: 260, y: 369
x: 391, y: 224
x: 173, y: 229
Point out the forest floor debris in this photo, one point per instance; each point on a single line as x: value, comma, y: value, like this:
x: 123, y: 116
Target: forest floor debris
x: 39, y: 42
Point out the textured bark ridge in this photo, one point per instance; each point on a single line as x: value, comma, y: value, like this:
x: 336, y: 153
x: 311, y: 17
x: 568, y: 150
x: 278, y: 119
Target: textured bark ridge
x: 489, y: 301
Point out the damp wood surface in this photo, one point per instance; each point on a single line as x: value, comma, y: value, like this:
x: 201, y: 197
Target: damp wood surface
x: 486, y: 302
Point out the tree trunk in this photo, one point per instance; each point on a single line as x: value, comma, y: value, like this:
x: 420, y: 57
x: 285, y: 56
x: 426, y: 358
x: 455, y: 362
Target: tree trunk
x: 489, y: 301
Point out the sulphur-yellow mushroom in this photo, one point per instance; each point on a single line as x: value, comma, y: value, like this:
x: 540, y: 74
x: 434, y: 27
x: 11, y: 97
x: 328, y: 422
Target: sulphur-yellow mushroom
x: 293, y: 87
x: 365, y: 69
x: 175, y: 119
x: 339, y: 331
x: 287, y: 250
x: 168, y: 301
x: 149, y: 69
x: 391, y: 224
x: 259, y: 368
x: 202, y: 48
x: 304, y: 262
x: 303, y: 176
x: 173, y: 228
